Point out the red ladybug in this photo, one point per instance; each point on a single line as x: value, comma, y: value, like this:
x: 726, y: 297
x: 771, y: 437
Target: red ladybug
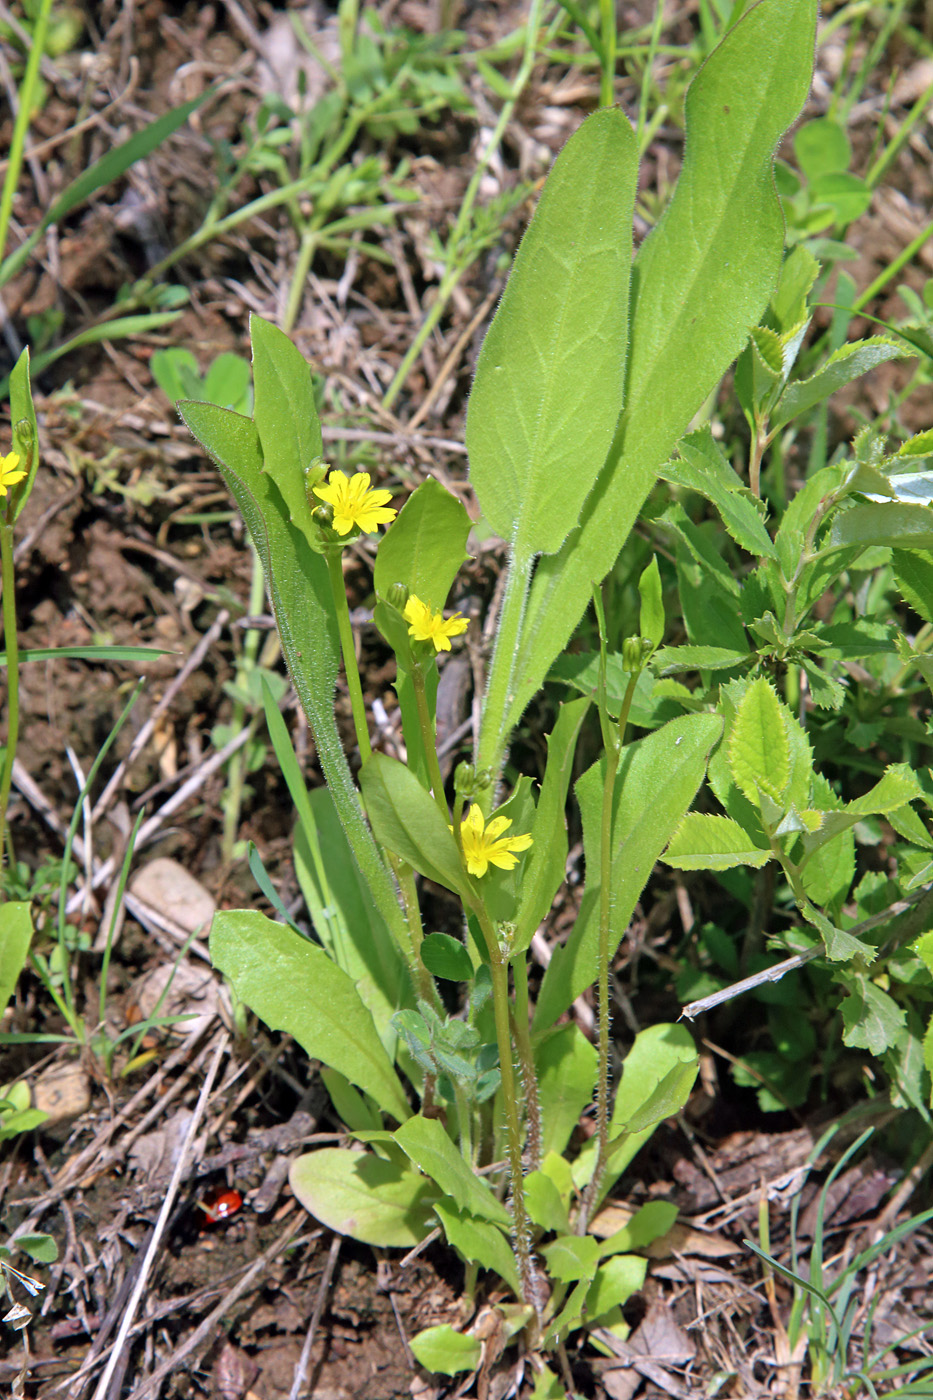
x: 219, y: 1204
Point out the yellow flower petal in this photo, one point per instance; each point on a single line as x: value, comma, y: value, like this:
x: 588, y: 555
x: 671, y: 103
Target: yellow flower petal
x: 9, y: 476
x: 355, y: 506
x: 427, y: 626
x: 484, y: 845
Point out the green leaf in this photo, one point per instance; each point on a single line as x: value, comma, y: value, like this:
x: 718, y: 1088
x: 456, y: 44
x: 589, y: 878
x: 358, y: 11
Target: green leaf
x: 42, y: 1248
x: 759, y: 751
x: 91, y: 653
x: 429, y: 1147
x: 913, y: 572
x: 15, y: 937
x: 900, y: 526
x: 445, y: 1351
x: 702, y: 467
x: 299, y: 588
x: 651, y: 1222
x: 25, y: 428
x: 345, y: 918
x: 566, y: 1065
x: 820, y: 146
x: 445, y: 956
x: 544, y: 1205
x: 406, y: 820
x: 572, y: 1257
x: 657, y: 780
x: 668, y: 1097
x: 615, y: 1282
x: 364, y: 1196
x: 545, y: 865
x: 480, y: 1242
x: 549, y: 379
x: 424, y: 546
x: 872, y: 1019
x: 701, y: 278
x: 655, y: 1053
x: 651, y: 622
x: 110, y: 167
x: 712, y: 843
x: 294, y: 986
x: 286, y: 420
x: 670, y: 661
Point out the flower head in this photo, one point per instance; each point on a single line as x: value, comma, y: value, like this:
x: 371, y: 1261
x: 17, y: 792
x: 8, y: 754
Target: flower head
x: 9, y: 476
x: 484, y: 844
x: 427, y: 626
x: 355, y: 505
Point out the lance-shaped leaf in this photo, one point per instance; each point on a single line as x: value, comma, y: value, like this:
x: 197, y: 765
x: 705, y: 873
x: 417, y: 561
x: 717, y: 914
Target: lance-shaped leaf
x: 424, y: 546
x: 429, y: 1147
x: 702, y: 467
x: 286, y: 419
x: 407, y: 821
x: 294, y: 986
x: 549, y: 380
x: 704, y: 842
x: 700, y: 280
x: 299, y: 589
x: 657, y: 780
x: 759, y: 748
x: 845, y: 364
x: 480, y: 1242
x: 545, y: 864
x: 898, y: 525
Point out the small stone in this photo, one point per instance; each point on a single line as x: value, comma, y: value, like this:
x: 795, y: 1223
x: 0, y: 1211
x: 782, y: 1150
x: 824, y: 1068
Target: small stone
x: 168, y: 888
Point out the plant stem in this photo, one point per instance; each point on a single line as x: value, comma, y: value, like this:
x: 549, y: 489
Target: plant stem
x: 27, y: 94
x: 11, y: 645
x: 428, y: 739
x: 607, y: 24
x: 613, y: 754
x: 521, y: 1231
x: 351, y: 670
x: 526, y: 1061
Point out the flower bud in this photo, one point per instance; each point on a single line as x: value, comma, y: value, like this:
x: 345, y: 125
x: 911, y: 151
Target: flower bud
x: 632, y: 654
x: 464, y: 779
x: 397, y: 596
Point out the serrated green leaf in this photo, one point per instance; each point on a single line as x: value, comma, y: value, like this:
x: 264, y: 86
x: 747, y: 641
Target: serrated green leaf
x: 615, y: 1282
x: 572, y: 1257
x: 759, y: 749
x: 550, y: 376
x: 429, y: 1147
x: 872, y: 1019
x: 704, y: 842
x: 480, y: 1242
x: 702, y: 467
x: 900, y: 526
x: 671, y: 661
x: 913, y: 572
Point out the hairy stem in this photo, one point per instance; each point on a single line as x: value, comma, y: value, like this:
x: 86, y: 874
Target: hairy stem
x: 11, y: 646
x: 351, y: 670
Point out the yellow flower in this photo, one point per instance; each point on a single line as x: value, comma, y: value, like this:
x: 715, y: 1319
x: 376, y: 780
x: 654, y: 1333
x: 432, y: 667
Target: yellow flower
x: 9, y: 476
x: 354, y: 503
x: 427, y: 626
x: 485, y: 845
